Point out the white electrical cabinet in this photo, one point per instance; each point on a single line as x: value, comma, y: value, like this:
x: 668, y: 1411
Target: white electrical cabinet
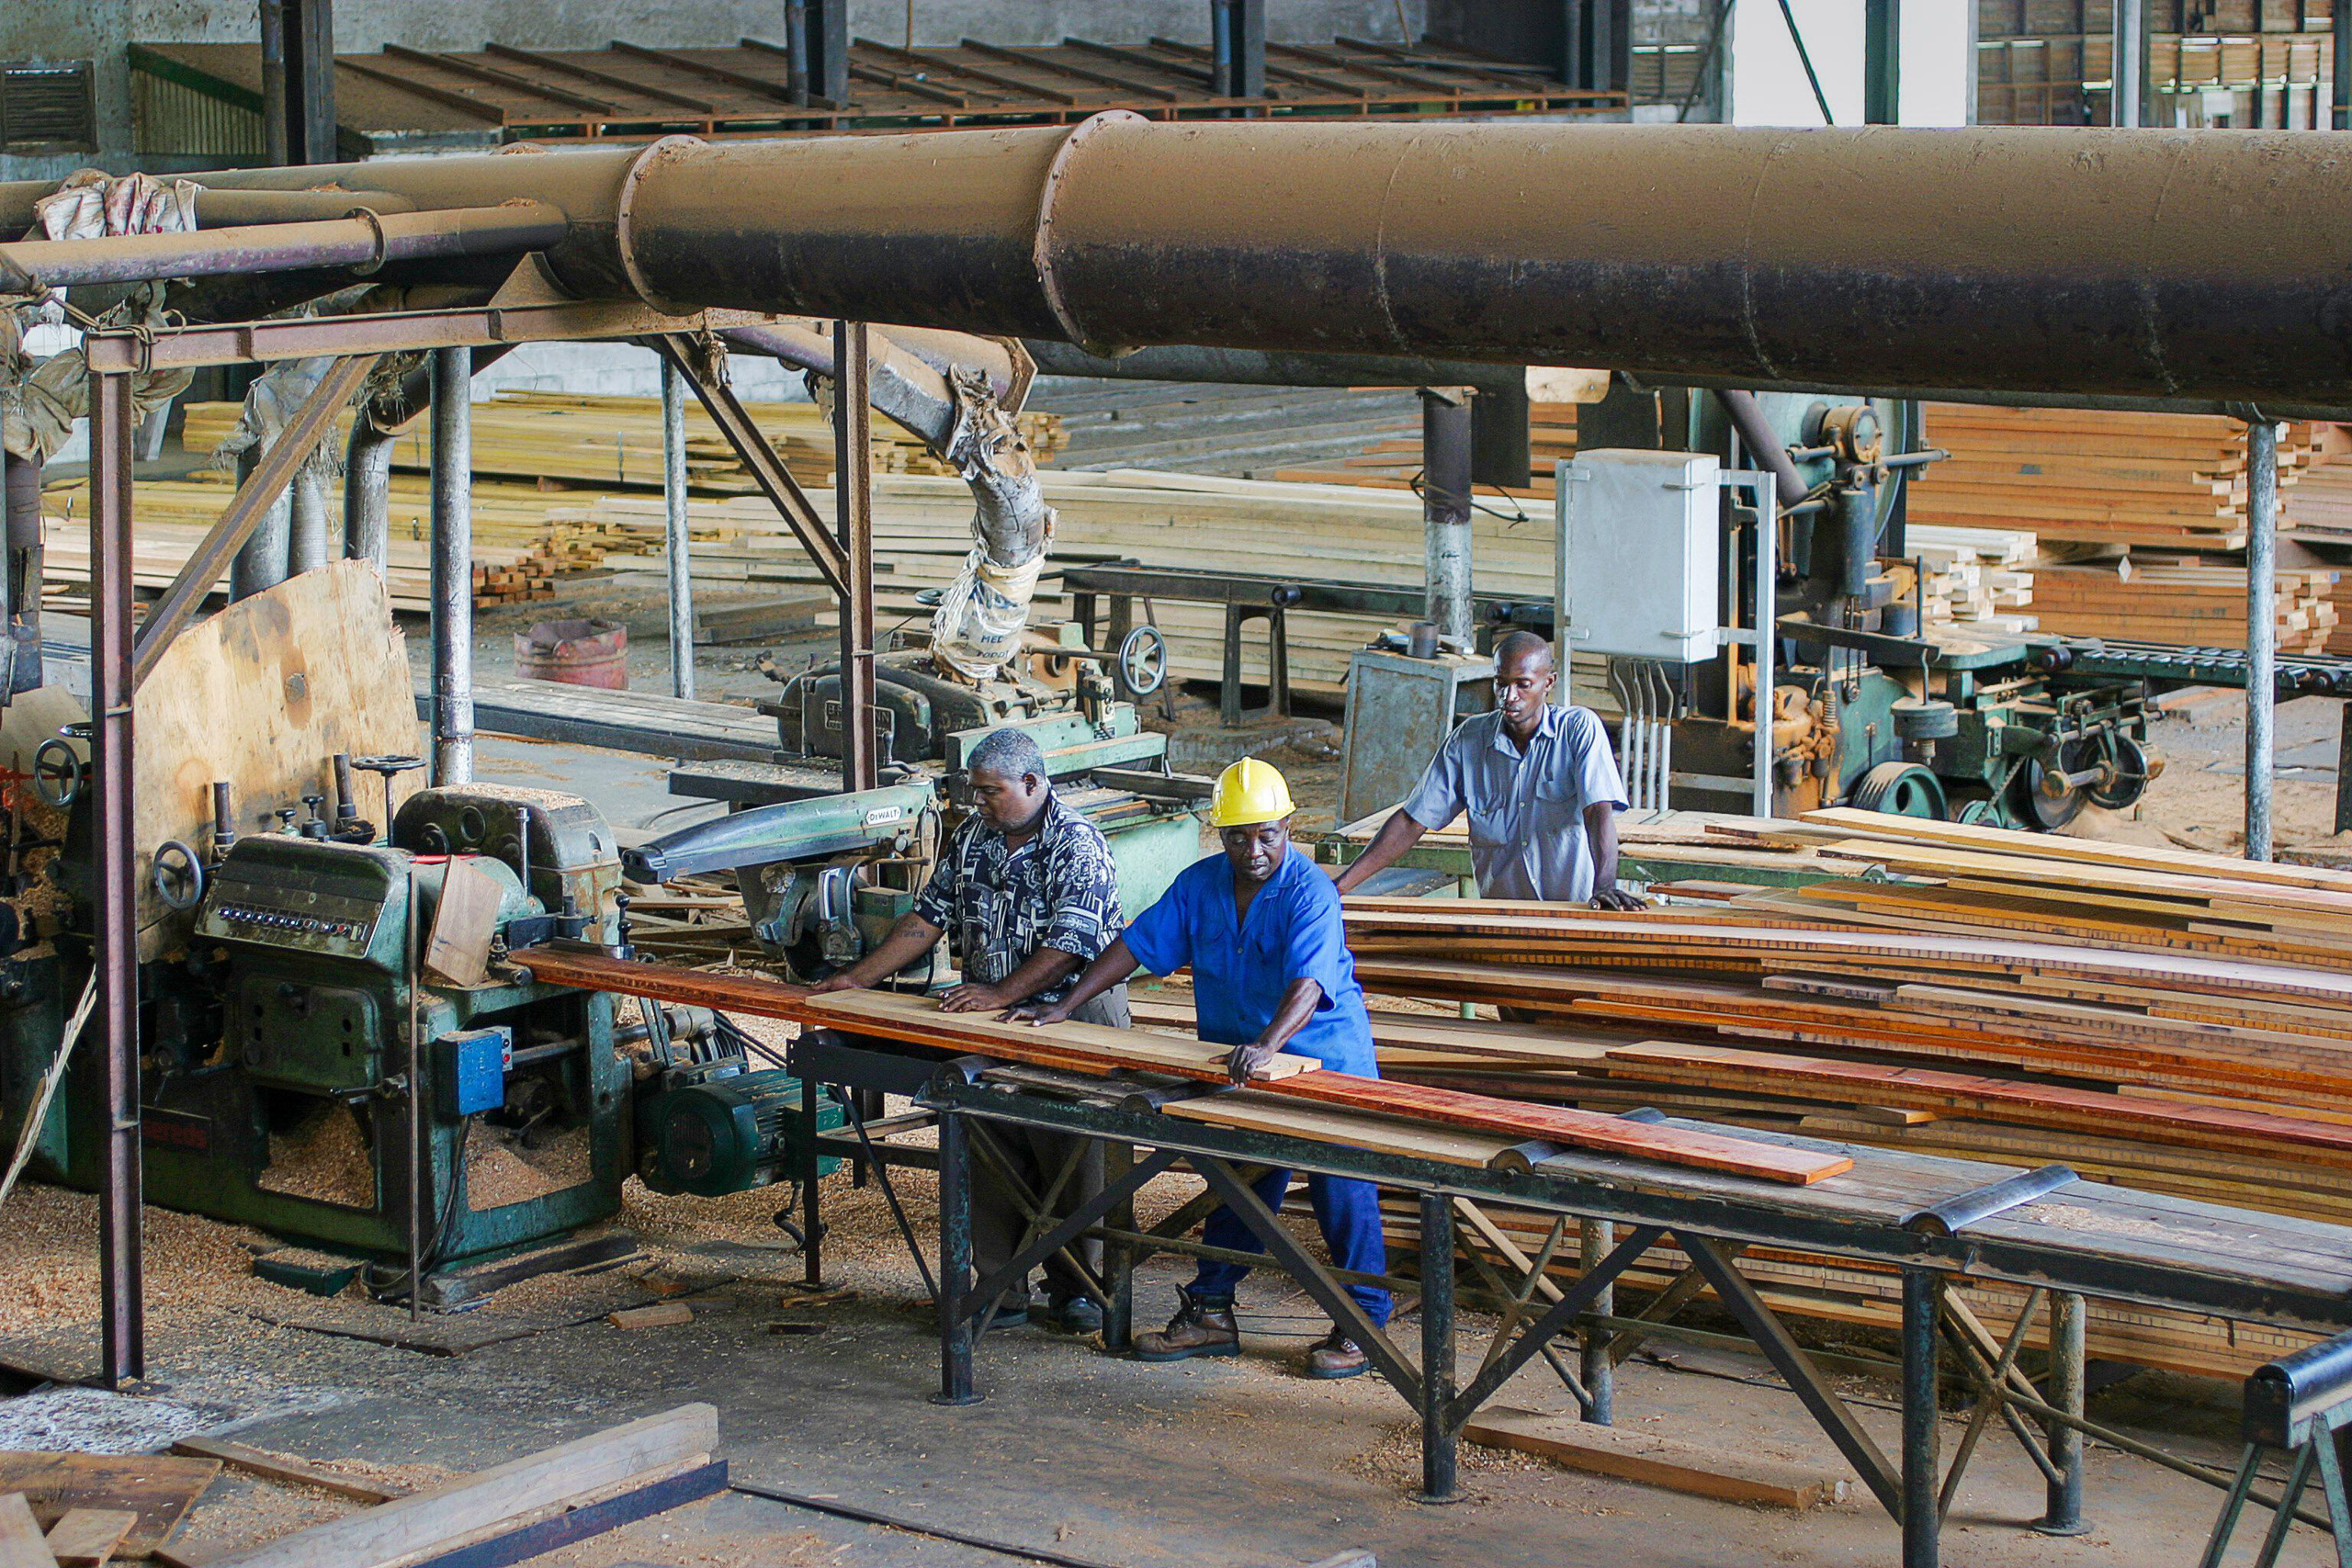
x: 1641, y: 554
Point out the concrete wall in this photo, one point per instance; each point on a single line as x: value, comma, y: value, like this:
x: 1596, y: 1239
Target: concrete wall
x: 98, y: 31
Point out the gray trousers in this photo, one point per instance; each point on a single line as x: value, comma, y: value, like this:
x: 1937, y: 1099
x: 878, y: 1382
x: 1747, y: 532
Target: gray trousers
x: 1037, y: 1156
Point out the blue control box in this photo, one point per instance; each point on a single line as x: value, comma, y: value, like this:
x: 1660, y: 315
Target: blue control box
x: 473, y: 1069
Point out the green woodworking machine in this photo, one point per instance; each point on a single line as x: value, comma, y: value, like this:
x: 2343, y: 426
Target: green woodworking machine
x: 277, y: 1087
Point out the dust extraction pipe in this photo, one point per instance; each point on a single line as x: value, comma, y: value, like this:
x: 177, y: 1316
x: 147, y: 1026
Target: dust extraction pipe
x: 2191, y: 265
x: 2208, y: 265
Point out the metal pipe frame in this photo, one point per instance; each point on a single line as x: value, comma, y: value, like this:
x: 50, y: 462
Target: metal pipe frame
x: 854, y: 521
x: 675, y: 554
x: 367, y: 494
x: 365, y: 243
x: 2261, y: 632
x: 453, y: 563
x: 121, y: 1175
x: 260, y: 561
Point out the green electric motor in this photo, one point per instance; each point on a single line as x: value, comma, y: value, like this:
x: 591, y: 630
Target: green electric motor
x: 729, y: 1133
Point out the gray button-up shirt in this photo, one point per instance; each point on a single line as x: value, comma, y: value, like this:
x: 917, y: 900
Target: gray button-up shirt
x: 1527, y: 838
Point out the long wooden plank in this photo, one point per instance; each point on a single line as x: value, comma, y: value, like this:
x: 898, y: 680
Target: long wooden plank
x: 1090, y: 1048
x: 416, y: 1523
x: 285, y: 1467
x: 87, y: 1537
x: 21, y: 1545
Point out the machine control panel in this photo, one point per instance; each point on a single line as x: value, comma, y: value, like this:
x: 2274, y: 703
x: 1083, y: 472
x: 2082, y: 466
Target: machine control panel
x: 330, y: 899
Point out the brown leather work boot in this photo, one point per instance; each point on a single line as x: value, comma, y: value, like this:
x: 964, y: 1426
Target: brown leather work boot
x: 1336, y: 1356
x: 1201, y: 1327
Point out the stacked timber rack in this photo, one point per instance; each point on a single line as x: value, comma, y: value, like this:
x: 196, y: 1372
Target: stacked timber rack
x: 2175, y: 1023
x: 404, y: 98
x: 607, y: 442
x: 520, y: 548
x: 2189, y: 601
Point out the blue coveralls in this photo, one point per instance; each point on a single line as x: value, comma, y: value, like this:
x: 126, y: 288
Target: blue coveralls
x: 1239, y: 974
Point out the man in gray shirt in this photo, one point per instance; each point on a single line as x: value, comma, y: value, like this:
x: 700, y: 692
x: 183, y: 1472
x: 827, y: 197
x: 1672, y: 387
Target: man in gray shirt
x: 1541, y: 787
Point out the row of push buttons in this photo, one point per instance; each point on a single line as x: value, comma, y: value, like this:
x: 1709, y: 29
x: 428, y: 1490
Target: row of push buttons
x: 310, y: 925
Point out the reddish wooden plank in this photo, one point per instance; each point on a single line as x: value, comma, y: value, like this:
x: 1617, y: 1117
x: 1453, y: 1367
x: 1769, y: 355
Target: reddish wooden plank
x: 1078, y: 1047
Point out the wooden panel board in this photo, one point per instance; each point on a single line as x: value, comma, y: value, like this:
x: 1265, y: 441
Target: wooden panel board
x: 1655, y: 1459
x: 158, y: 1489
x: 87, y: 1537
x: 263, y: 694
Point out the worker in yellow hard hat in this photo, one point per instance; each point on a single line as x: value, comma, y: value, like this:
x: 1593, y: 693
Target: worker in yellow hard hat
x: 1260, y: 928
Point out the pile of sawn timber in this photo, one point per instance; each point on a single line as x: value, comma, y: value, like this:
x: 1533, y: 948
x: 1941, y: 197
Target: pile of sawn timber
x: 2172, y: 1022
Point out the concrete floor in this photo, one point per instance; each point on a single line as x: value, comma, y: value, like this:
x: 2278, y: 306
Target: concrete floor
x: 1205, y: 1464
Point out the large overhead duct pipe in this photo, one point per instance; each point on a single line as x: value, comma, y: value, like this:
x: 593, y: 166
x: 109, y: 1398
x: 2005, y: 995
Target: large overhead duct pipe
x: 2195, y: 267
x: 2160, y: 264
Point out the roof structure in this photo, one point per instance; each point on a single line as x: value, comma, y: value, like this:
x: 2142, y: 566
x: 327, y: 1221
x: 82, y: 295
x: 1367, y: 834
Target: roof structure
x: 405, y: 98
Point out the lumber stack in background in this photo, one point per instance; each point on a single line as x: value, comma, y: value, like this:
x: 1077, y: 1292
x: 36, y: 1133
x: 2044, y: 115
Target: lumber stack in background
x: 590, y: 439
x: 2178, y: 1022
x: 1980, y: 578
x: 519, y: 550
x: 1394, y: 462
x: 2172, y: 481
x: 2184, y: 600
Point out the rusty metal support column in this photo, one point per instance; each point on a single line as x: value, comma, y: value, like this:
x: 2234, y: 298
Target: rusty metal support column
x: 2126, y: 96
x: 2261, y: 630
x: 1445, y: 508
x: 673, y: 517
x: 297, y: 81
x: 261, y: 561
x: 853, y: 522
x: 122, y: 1292
x: 367, y: 494
x: 453, y: 567
x: 20, y: 483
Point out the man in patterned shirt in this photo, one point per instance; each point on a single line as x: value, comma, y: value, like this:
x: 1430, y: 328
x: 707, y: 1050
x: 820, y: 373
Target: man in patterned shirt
x: 1028, y: 890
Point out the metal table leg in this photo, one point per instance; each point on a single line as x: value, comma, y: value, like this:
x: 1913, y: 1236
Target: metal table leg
x: 812, y: 1263
x: 2065, y: 1513
x: 1922, y: 1290
x: 1440, y: 1433
x: 1597, y: 1365
x: 1119, y: 1255
x: 954, y: 1263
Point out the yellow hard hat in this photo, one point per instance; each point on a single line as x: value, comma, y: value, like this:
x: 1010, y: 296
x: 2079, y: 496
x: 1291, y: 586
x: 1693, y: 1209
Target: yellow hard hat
x: 1249, y: 792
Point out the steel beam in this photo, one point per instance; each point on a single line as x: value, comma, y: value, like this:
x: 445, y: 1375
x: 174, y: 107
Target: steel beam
x: 453, y: 567
x: 1882, y: 62
x: 854, y: 521
x: 309, y: 337
x: 297, y: 81
x: 122, y: 1300
x: 767, y: 469
x: 2127, y: 95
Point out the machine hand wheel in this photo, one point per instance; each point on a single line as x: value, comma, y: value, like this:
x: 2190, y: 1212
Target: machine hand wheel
x: 1142, y: 663
x: 58, y: 771
x: 2128, y: 774
x: 176, y: 875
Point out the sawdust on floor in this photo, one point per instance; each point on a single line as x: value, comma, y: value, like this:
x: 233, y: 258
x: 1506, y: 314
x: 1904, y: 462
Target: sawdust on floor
x: 325, y: 1157
x: 504, y: 1168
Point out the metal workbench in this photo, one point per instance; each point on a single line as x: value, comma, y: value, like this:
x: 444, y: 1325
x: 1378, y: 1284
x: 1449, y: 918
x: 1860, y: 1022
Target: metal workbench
x: 1936, y: 1220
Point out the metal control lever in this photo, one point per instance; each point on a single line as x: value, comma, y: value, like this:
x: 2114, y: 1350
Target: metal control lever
x: 315, y: 825
x: 388, y: 768
x: 285, y: 815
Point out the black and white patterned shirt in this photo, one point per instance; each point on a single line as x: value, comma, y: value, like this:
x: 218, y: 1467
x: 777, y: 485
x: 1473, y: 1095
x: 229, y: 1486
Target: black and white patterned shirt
x: 1060, y: 890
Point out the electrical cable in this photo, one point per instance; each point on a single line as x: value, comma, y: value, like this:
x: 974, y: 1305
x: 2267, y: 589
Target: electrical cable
x: 937, y: 1532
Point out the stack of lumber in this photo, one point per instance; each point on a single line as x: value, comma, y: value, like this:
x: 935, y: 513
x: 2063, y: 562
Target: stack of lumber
x: 2177, y: 1023
x: 2174, y: 481
x: 2318, y: 511
x: 1394, y: 462
x: 922, y: 531
x: 519, y: 548
x: 2199, y: 603
x: 1980, y: 577
x: 583, y: 438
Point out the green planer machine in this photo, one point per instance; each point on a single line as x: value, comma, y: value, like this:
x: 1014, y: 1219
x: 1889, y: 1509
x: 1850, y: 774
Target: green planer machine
x: 276, y: 1087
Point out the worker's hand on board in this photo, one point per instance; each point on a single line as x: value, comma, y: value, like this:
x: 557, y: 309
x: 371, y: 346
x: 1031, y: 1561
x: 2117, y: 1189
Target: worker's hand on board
x: 838, y: 981
x: 974, y: 996
x: 1037, y: 1016
x: 1243, y: 1064
x: 1618, y: 899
